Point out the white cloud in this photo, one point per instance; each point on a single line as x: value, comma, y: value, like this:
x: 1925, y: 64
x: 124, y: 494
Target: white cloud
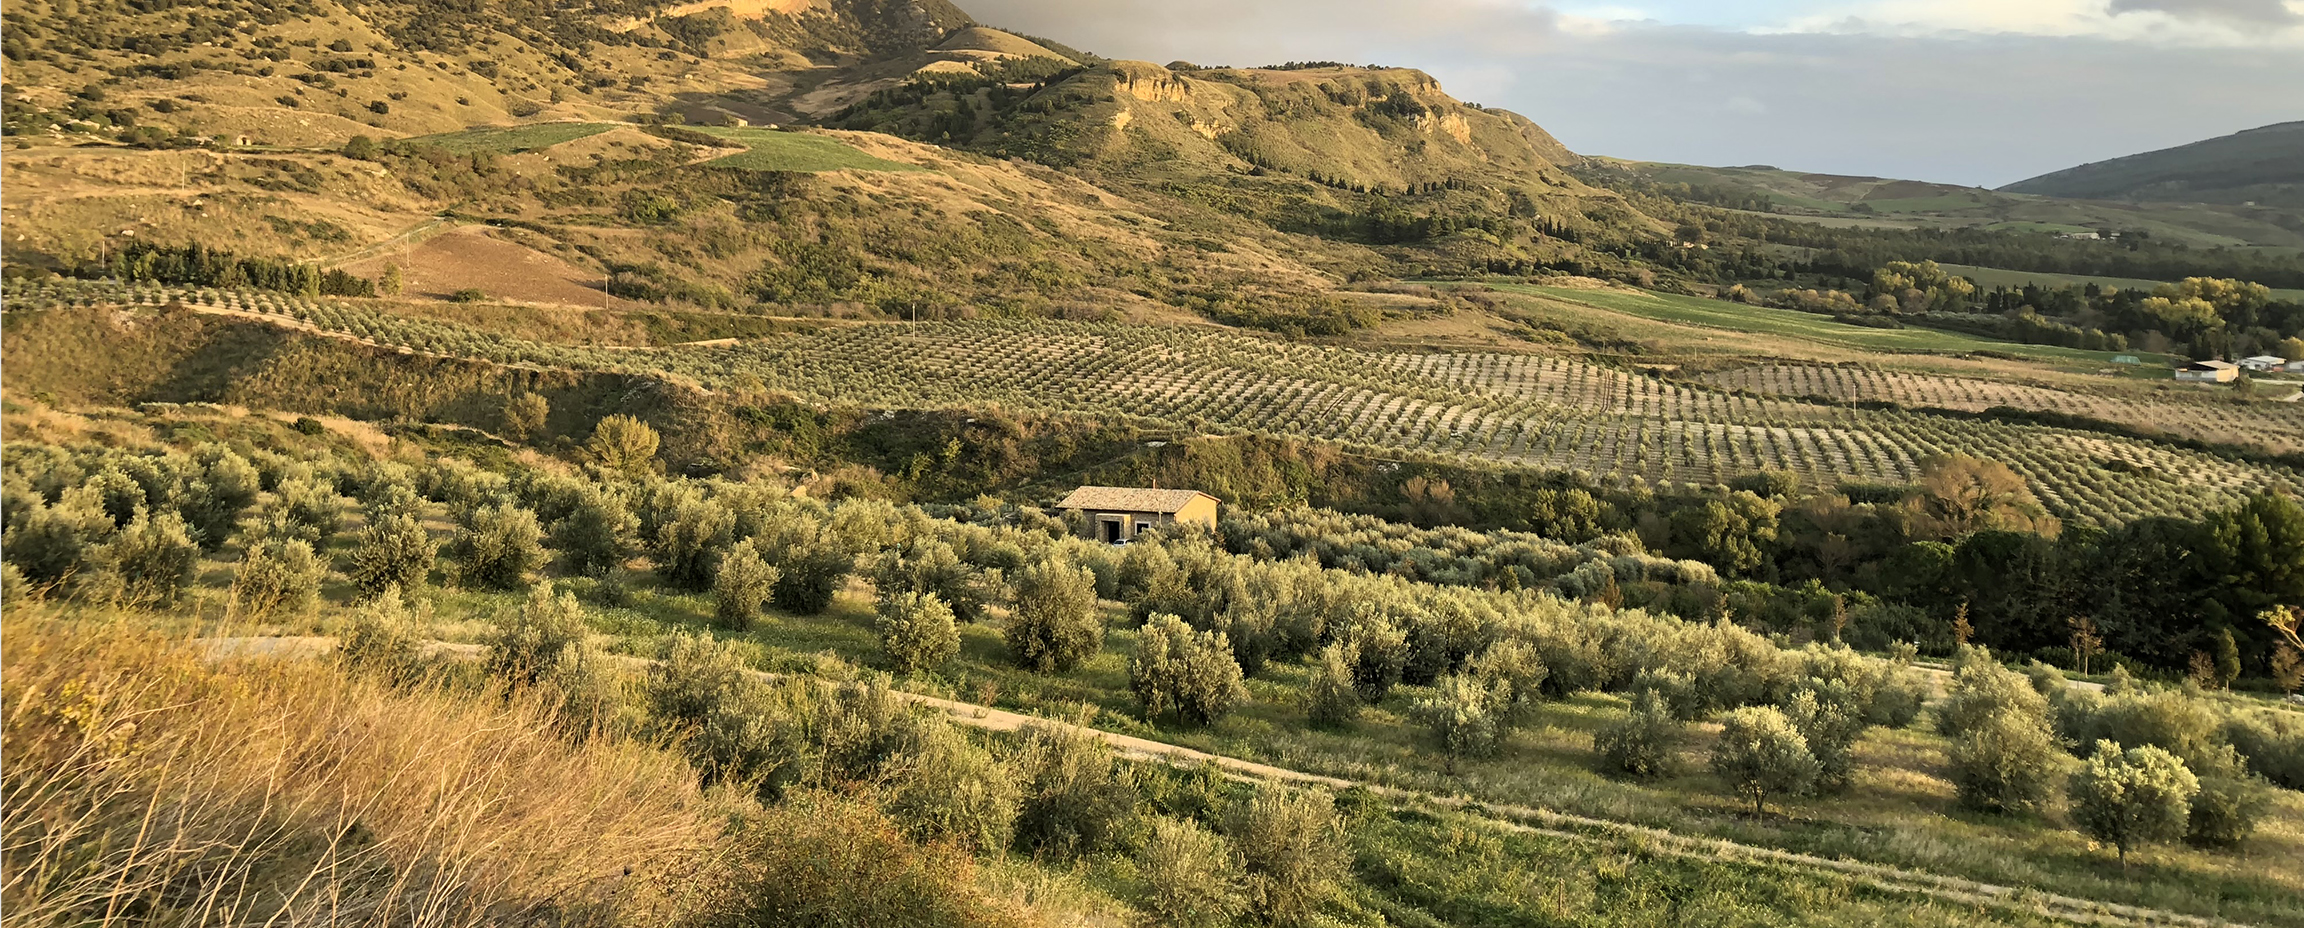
x: 2206, y: 23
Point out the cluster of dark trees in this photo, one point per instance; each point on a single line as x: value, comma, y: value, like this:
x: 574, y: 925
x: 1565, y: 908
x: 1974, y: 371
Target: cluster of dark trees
x: 199, y: 265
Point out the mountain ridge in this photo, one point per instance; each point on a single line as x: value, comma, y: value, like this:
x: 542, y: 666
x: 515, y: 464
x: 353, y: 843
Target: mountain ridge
x: 2261, y: 165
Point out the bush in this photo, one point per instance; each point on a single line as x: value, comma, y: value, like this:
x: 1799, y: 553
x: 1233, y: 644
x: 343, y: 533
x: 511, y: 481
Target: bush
x: 2272, y: 743
x: 276, y: 574
x: 1191, y: 877
x: 1519, y: 669
x: 212, y: 501
x: 1330, y: 699
x: 500, y: 548
x: 864, y: 730
x: 1381, y: 651
x: 2230, y: 802
x: 1641, y: 745
x: 309, y: 509
x: 395, y: 551
x: 1829, y: 718
x: 953, y: 790
x: 810, y: 575
x: 744, y: 584
x: 535, y: 642
x: 50, y: 543
x: 1054, y: 627
x: 623, y: 445
x: 1462, y: 714
x: 826, y: 860
x: 688, y: 544
x: 2004, y: 762
x: 917, y: 631
x: 931, y: 566
x: 734, y: 727
x: 596, y: 536
x: 1077, y: 797
x: 149, y: 562
x: 1291, y: 844
x: 382, y: 640
x: 1981, y: 688
x: 525, y: 415
x: 1760, y: 755
x: 1180, y: 672
x: 2133, y: 797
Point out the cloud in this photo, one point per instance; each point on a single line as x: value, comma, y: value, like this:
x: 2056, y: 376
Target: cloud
x: 2018, y: 88
x: 2242, y: 11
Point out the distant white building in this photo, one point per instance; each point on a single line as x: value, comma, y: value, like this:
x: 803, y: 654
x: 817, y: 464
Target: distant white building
x: 2263, y: 362
x: 2208, y: 371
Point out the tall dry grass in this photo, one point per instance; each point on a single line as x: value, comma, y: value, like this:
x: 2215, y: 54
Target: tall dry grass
x: 145, y: 785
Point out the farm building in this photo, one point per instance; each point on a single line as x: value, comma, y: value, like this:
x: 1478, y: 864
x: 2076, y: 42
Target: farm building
x: 2208, y: 371
x: 2263, y: 362
x: 2127, y: 359
x: 1118, y: 513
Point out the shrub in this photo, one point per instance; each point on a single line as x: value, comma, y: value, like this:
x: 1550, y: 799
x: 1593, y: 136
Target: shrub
x: 1462, y: 713
x: 525, y: 415
x: 1077, y: 797
x: 596, y: 536
x: 1291, y: 844
x: 1329, y: 697
x: 1519, y: 669
x: 1381, y: 649
x: 1982, y: 688
x: 951, y: 789
x: 826, y: 860
x: 275, y: 574
x: 211, y: 502
x: 382, y: 641
x: 2133, y: 797
x: 1190, y: 876
x: 1180, y: 672
x: 689, y: 541
x: 2230, y: 802
x: 500, y: 548
x: 742, y: 587
x: 917, y: 631
x: 2272, y: 743
x: 931, y: 566
x: 535, y: 642
x: 810, y: 575
x: 623, y: 445
x: 734, y: 727
x: 1760, y: 755
x: 1641, y: 745
x: 864, y: 729
x: 50, y: 543
x: 2004, y: 762
x: 150, y: 561
x: 1054, y: 626
x: 310, y: 509
x: 1829, y: 718
x: 395, y: 551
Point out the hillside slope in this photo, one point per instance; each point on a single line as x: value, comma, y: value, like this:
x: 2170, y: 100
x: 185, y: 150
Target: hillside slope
x: 2263, y: 165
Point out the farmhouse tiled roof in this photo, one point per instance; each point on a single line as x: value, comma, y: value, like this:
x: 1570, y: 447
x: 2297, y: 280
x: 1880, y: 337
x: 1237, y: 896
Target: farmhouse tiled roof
x: 1129, y: 499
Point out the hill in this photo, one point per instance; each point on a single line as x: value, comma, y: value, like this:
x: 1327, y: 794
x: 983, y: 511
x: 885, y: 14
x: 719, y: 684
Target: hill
x: 2263, y: 165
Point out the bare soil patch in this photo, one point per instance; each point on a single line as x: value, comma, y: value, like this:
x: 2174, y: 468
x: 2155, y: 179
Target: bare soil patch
x: 473, y: 258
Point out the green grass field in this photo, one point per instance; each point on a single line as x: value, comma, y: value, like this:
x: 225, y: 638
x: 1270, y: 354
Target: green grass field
x: 1765, y: 320
x: 1996, y: 277
x: 774, y: 150
x: 515, y: 138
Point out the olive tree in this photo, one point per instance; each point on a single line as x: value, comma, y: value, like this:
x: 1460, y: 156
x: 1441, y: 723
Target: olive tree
x: 1184, y: 673
x: 917, y: 631
x: 2132, y: 797
x: 395, y: 551
x: 150, y: 561
x: 743, y: 585
x: 1330, y: 698
x: 1641, y: 744
x: 500, y: 547
x: 1760, y: 755
x: 1292, y: 846
x: 275, y: 574
x: 623, y: 445
x: 1192, y: 878
x: 536, y: 641
x: 1054, y: 626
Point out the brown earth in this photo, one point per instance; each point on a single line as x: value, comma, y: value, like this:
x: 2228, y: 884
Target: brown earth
x: 475, y: 258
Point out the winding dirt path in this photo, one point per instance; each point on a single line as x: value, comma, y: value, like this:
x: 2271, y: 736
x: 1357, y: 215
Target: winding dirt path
x: 1529, y: 819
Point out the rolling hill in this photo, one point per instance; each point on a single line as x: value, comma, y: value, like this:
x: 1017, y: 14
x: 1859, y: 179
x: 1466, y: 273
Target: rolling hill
x: 2258, y: 166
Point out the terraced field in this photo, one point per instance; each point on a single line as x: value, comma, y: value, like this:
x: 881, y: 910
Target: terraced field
x: 1522, y: 409
x: 2183, y: 411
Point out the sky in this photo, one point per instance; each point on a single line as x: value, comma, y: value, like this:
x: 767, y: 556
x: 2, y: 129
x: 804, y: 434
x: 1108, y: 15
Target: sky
x: 1983, y: 92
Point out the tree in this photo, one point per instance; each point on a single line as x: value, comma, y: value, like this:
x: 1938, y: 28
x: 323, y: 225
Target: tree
x: 2288, y: 668
x: 1192, y: 879
x: 1078, y: 799
x: 1329, y: 698
x: 623, y: 445
x: 150, y: 561
x: 274, y: 574
x: 1054, y: 627
x: 1291, y: 844
x: 1760, y: 755
x: 1641, y: 744
x: 1463, y: 715
x: 2086, y: 642
x: 1732, y: 534
x: 382, y: 640
x: 596, y: 536
x: 2003, y: 755
x: 810, y: 575
x: 360, y: 148
x: 917, y: 631
x: 2227, y: 654
x: 1960, y: 495
x: 1380, y: 652
x: 500, y: 548
x: 525, y: 415
x: 395, y: 552
x: 744, y: 584
x: 688, y: 543
x: 50, y: 543
x: 950, y: 789
x: 2231, y: 800
x: 535, y: 642
x: 2133, y: 797
x: 1180, y: 672
x: 393, y: 281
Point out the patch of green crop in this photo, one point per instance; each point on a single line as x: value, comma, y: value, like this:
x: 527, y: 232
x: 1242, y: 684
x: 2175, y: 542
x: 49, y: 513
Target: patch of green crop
x: 775, y: 150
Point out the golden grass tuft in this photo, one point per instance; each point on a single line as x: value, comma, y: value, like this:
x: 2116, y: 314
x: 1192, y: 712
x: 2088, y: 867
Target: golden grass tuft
x: 144, y: 784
